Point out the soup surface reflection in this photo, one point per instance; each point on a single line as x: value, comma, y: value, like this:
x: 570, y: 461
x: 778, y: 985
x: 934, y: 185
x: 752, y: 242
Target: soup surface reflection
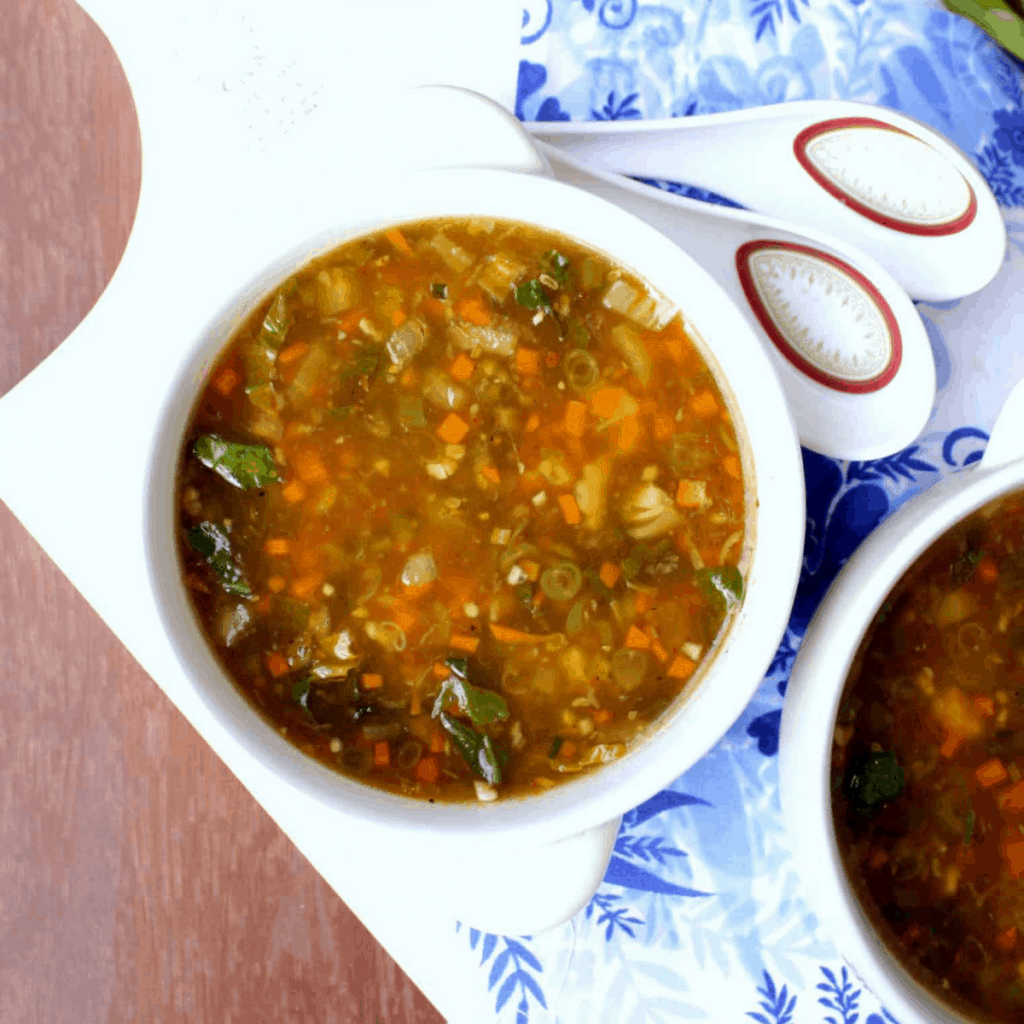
x: 928, y: 767
x: 462, y: 509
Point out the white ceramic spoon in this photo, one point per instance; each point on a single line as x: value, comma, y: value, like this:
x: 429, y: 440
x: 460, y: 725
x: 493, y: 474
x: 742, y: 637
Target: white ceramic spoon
x: 849, y: 347
x: 884, y: 182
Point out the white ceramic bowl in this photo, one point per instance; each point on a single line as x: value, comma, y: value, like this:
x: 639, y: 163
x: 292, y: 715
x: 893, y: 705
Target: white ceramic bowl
x: 587, y: 808
x: 816, y: 686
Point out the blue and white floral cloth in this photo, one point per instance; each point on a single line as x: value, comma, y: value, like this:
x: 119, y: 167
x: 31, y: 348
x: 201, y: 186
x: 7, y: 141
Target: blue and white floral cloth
x: 701, y: 914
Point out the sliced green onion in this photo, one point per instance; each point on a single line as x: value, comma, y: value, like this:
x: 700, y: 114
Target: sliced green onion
x: 581, y: 370
x: 439, y: 290
x: 561, y: 582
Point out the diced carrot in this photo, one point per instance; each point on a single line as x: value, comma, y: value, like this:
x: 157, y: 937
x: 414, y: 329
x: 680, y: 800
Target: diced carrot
x: 437, y: 743
x: 441, y: 670
x: 985, y: 706
x: 691, y: 493
x: 398, y: 317
x: 567, y: 750
x: 628, y: 433
x: 664, y: 426
x: 491, y: 473
x: 1012, y: 799
x: 681, y: 667
x: 292, y: 353
x: 453, y: 429
x: 878, y: 858
x: 276, y: 664
x: 605, y: 402
x: 570, y: 510
x: 462, y: 368
x: 409, y: 378
x: 531, y: 568
x: 371, y: 681
x: 310, y: 467
x: 731, y: 465
x: 988, y: 571
x: 294, y: 491
x: 609, y: 574
x: 263, y: 605
x: 474, y: 309
x: 397, y: 239
x: 551, y: 359
x: 226, y: 381
x: 403, y: 617
x: 642, y: 602
x: 415, y: 703
x: 382, y: 754
x: 602, y: 716
x: 704, y: 405
x: 304, y: 587
x: 527, y: 360
x: 469, y: 644
x: 575, y: 418
x: 658, y: 651
x: 1013, y: 854
x: 276, y: 584
x: 991, y: 773
x: 427, y: 770
x: 507, y: 635
x: 277, y: 546
x: 350, y: 321
x: 637, y: 639
x: 1006, y: 940
x: 951, y: 744
x: 414, y: 591
x: 532, y: 422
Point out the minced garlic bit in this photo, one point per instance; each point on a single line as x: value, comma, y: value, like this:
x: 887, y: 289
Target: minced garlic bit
x: 516, y: 575
x: 539, y: 498
x: 327, y: 590
x: 485, y: 793
x: 472, y: 611
x: 335, y: 746
x: 500, y: 536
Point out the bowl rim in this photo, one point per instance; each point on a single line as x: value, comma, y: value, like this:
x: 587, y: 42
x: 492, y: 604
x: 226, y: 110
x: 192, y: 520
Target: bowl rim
x: 770, y: 456
x: 813, y: 695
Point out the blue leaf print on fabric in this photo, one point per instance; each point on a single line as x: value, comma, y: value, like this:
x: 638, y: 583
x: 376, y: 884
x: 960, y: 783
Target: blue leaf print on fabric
x: 783, y: 659
x: 917, y: 65
x: 666, y: 800
x: 612, y: 916
x: 679, y: 188
x: 998, y: 171
x: 724, y: 83
x: 521, y: 960
x: 551, y: 111
x: 765, y: 729
x: 531, y: 78
x: 631, y: 876
x: 1009, y: 135
x: 777, y: 1006
x: 843, y: 999
x: 765, y: 13
x: 646, y: 848
x: 622, y: 111
x: 903, y: 464
x: 862, y: 34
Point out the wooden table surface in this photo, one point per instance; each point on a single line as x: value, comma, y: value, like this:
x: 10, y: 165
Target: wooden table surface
x: 138, y: 880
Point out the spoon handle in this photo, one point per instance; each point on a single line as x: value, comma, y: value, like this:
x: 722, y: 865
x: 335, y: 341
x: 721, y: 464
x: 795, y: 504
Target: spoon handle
x: 888, y: 184
x: 849, y: 348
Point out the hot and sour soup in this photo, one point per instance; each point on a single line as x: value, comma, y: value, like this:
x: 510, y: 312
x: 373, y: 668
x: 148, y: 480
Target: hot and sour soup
x: 462, y: 509
x: 928, y: 767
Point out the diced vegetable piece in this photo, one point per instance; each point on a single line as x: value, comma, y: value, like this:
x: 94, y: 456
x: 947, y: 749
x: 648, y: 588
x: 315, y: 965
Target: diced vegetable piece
x: 246, y: 466
x: 277, y: 665
x: 439, y: 290
x: 629, y: 667
x: 506, y: 635
x: 581, y: 371
x: 427, y: 770
x: 648, y: 311
x: 314, y: 371
x: 956, y: 606
x: 613, y: 404
x: 397, y: 239
x: 609, y: 574
x: 637, y: 639
x: 633, y: 351
x: 591, y: 492
x: 469, y: 644
x: 337, y: 290
x: 453, y: 429
x: 527, y: 360
x: 991, y: 773
x: 570, y: 510
x: 649, y: 512
x: 681, y: 667
x: 371, y: 681
x: 497, y: 339
x: 462, y: 368
x: 692, y: 494
x: 873, y: 780
x: 211, y: 541
x: 382, y: 754
x: 225, y: 381
x: 455, y: 256
x: 575, y: 417
x: 419, y: 570
x: 704, y: 405
x: 952, y: 708
x: 561, y: 582
x: 499, y: 273
x: 406, y: 342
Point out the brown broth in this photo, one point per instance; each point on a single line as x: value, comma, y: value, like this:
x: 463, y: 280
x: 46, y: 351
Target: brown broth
x: 939, y: 682
x: 474, y: 440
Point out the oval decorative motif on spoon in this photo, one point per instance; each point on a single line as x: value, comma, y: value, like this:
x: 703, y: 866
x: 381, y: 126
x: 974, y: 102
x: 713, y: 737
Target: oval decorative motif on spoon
x: 824, y: 316
x: 887, y: 175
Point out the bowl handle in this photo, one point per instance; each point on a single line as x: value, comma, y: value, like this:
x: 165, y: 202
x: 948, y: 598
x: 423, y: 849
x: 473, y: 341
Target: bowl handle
x: 477, y: 132
x: 521, y: 891
x: 1006, y: 442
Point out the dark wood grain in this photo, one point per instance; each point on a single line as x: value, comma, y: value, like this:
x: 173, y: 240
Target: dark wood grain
x: 138, y: 880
